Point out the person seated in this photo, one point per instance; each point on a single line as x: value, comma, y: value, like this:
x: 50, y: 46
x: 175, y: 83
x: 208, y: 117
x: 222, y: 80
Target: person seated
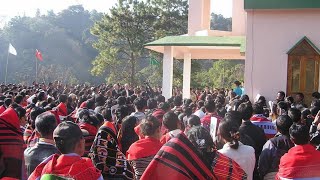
x: 210, y: 108
x: 173, y: 124
x: 29, y: 136
x: 261, y: 121
x: 302, y: 161
x: 242, y: 154
x: 222, y: 166
x: 140, y: 106
x: 11, y: 142
x: 275, y: 148
x: 299, y: 101
x: 142, y: 151
x: 193, y: 120
x: 295, y: 115
x: 89, y: 125
x: 69, y: 141
x: 106, y: 153
x: 45, y: 124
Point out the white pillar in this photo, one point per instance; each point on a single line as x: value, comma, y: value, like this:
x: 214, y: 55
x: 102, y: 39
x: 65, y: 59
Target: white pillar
x: 167, y: 77
x: 186, y: 75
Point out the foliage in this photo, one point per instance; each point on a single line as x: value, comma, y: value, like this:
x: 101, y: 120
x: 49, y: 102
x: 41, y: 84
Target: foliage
x: 63, y: 39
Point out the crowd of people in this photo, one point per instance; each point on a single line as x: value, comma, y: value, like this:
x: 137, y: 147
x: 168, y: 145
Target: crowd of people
x: 55, y: 131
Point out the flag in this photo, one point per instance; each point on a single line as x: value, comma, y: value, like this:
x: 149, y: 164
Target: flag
x: 12, y: 50
x: 154, y: 61
x: 39, y: 55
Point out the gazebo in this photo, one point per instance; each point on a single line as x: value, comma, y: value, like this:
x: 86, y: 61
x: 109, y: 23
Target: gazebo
x: 201, y: 43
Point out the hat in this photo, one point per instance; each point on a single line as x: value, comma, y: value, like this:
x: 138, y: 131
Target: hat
x: 67, y: 130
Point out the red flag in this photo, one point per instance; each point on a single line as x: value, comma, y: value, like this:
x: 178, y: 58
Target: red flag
x: 39, y: 55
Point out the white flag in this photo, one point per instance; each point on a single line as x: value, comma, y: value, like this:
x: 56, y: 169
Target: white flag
x: 12, y: 50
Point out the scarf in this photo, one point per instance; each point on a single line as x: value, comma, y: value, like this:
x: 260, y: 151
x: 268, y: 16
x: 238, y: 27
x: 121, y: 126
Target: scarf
x: 143, y: 148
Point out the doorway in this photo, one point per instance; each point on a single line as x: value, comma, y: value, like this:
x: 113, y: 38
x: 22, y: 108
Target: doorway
x: 303, y: 69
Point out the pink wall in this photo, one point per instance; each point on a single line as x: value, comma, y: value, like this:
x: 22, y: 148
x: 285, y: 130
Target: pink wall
x: 270, y: 34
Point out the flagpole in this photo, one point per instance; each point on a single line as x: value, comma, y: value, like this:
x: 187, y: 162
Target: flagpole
x: 36, y: 70
x: 5, y: 80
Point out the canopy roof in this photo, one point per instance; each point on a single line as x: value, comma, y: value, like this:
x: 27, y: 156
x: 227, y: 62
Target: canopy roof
x: 202, y: 47
x: 281, y: 4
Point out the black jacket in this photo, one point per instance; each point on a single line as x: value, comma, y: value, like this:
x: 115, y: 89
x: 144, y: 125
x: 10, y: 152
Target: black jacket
x: 272, y: 152
x: 35, y: 155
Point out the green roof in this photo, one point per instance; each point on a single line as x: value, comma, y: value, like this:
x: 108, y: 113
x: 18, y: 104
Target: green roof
x: 309, y: 42
x: 236, y: 41
x: 281, y: 4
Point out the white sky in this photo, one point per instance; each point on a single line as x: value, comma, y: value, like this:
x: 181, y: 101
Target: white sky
x: 11, y: 8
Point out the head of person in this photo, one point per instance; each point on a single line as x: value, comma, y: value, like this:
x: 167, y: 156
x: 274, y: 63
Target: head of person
x: 45, y: 124
x: 202, y: 140
x: 237, y: 83
x: 91, y: 104
x: 42, y: 96
x: 129, y: 136
x: 246, y: 110
x: 160, y: 99
x: 35, y: 112
x: 7, y: 102
x: 18, y: 99
x: 257, y: 108
x: 171, y: 121
x: 295, y: 115
x: 21, y: 112
x: 289, y: 100
x: 315, y: 103
x: 229, y: 132
x: 89, y: 117
x: 152, y: 103
x: 244, y: 98
x: 192, y: 120
x: 121, y: 112
x: 100, y: 100
x: 299, y: 97
x: 299, y: 134
x: 315, y: 95
x: 116, y: 87
x: 121, y: 100
x: 177, y: 101
x: 140, y: 104
x: 234, y: 117
x: 283, y: 124
x: 280, y: 96
x: 63, y: 98
x: 150, y: 126
x: 210, y: 106
x: 69, y: 139
x: 282, y: 107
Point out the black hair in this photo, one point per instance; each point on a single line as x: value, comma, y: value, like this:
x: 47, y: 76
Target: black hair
x: 187, y: 111
x: 18, y: 99
x: 283, y: 106
x: 234, y: 117
x: 21, y: 112
x: 170, y: 120
x: 187, y: 102
x: 315, y: 103
x: 45, y: 124
x: 89, y: 117
x: 63, y: 98
x: 121, y: 112
x: 90, y: 104
x: 177, y: 101
x: 316, y: 95
x: 7, y: 102
x: 299, y: 134
x: 295, y: 115
x: 41, y: 96
x: 149, y: 126
x: 314, y: 110
x: 283, y: 124
x: 230, y: 132
x: 257, y: 108
x: 246, y: 110
x: 194, y: 120
x: 301, y: 95
x: 210, y: 106
x: 152, y: 103
x: 121, y: 100
x: 35, y: 112
x: 129, y: 136
x: 164, y: 106
x: 140, y: 103
x: 283, y: 94
x: 100, y: 100
x: 160, y: 99
x: 289, y: 100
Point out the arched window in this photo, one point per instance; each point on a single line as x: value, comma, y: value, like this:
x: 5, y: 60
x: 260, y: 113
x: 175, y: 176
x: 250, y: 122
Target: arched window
x: 303, y: 69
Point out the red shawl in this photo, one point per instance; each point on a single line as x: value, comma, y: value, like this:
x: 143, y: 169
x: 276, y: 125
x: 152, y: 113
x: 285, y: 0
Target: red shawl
x: 178, y: 159
x: 70, y: 166
x: 90, y: 128
x: 301, y: 162
x: 143, y: 148
x: 2, y: 109
x: 11, y: 144
x: 62, y: 109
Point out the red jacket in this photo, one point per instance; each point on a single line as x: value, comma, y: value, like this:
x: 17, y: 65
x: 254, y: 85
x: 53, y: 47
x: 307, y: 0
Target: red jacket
x: 301, y: 161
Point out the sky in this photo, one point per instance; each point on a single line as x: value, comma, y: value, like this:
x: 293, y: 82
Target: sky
x: 11, y: 8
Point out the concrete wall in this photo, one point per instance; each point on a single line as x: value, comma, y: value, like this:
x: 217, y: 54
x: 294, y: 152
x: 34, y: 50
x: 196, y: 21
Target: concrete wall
x: 199, y: 16
x: 270, y: 34
x: 238, y: 18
